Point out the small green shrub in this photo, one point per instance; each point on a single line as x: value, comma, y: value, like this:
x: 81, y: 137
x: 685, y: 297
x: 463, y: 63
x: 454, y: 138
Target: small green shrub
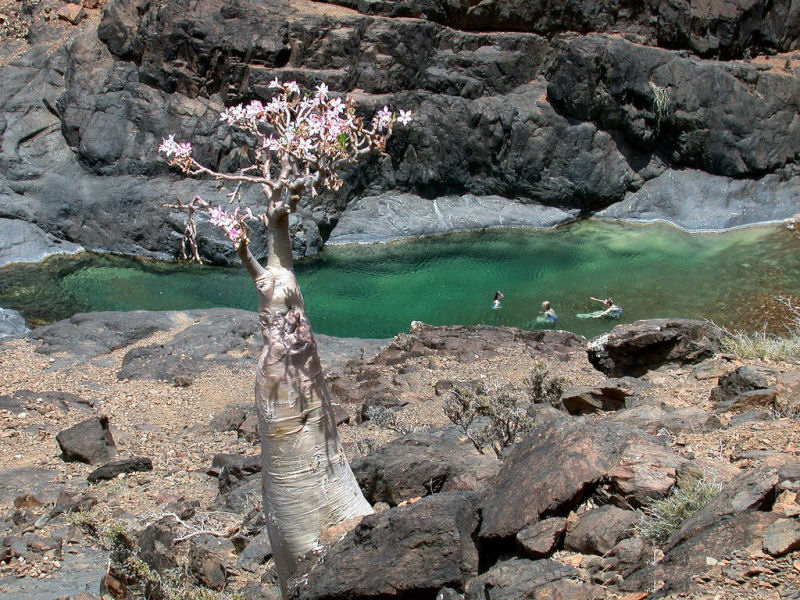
x: 404, y: 341
x: 768, y: 346
x: 386, y: 418
x: 544, y: 388
x: 762, y: 345
x: 663, y: 517
x: 493, y: 418
x: 489, y: 418
x: 660, y: 105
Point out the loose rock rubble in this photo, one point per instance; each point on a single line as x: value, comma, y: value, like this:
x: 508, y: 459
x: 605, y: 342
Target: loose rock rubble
x: 560, y: 510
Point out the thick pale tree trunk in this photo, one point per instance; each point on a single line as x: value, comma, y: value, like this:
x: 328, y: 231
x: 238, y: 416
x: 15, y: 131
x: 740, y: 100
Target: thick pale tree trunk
x: 307, y: 481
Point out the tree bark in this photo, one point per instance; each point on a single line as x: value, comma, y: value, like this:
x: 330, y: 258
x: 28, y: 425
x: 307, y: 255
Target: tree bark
x: 307, y: 481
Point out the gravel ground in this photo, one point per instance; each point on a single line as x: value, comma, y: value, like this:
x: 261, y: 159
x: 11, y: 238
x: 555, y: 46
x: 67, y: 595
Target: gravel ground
x: 170, y: 425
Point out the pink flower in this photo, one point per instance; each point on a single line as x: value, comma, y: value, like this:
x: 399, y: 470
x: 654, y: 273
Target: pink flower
x: 217, y: 216
x: 305, y: 145
x: 271, y: 143
x: 336, y: 106
x: 275, y: 83
x: 383, y: 117
x: 254, y: 110
x: 405, y: 117
x: 233, y: 114
x: 170, y: 148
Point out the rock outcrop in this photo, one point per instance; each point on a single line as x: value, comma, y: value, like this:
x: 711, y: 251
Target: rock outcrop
x: 671, y: 111
x: 569, y: 513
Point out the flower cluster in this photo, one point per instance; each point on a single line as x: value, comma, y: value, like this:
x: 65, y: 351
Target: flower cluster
x: 179, y: 153
x: 303, y: 141
x: 231, y: 224
x: 314, y: 129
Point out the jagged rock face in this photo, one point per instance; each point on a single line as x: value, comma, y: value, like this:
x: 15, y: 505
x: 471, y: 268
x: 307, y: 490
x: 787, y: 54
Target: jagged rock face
x: 708, y: 28
x: 512, y: 99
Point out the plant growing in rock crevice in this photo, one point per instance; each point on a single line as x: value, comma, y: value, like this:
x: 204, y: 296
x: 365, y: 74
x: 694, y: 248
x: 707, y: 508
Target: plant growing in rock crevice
x: 663, y: 517
x: 660, y: 105
x: 300, y: 145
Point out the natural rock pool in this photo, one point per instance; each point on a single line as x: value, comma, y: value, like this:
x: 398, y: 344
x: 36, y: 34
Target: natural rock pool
x: 376, y: 290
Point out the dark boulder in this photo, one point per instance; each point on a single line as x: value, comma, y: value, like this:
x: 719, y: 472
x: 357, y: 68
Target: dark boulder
x: 750, y: 491
x: 407, y: 552
x: 547, y: 473
x: 114, y: 469
x: 638, y: 347
x: 744, y: 379
x: 541, y: 539
x: 646, y: 471
x: 781, y: 537
x: 535, y: 580
x: 599, y: 530
x: 239, y: 481
x: 687, y: 560
x: 611, y: 395
x: 418, y: 464
x: 233, y: 469
x: 89, y: 441
x: 554, y: 468
x: 159, y: 546
x: 241, y: 418
x: 380, y: 399
x: 256, y: 553
x: 629, y: 554
x: 210, y: 559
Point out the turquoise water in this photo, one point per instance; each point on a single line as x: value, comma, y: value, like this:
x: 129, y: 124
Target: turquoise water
x: 377, y: 290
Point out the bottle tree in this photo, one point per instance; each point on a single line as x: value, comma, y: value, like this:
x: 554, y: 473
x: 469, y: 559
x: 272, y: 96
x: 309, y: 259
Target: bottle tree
x: 300, y: 144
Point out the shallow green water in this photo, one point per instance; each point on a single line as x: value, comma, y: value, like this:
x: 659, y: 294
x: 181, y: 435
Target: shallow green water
x: 377, y: 290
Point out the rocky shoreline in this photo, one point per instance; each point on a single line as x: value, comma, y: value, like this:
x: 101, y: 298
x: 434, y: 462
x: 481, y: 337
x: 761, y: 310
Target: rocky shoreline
x: 618, y: 111
x: 140, y: 426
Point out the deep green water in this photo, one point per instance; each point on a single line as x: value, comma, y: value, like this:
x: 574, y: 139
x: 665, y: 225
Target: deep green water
x: 377, y: 290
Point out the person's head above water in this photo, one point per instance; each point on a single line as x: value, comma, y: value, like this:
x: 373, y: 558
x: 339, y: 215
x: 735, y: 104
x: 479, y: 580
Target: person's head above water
x: 546, y: 305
